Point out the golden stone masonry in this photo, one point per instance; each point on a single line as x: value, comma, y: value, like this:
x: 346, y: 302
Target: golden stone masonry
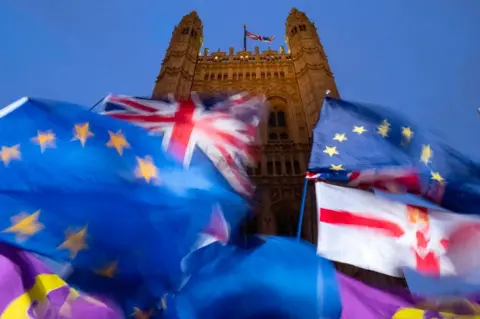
x: 293, y: 80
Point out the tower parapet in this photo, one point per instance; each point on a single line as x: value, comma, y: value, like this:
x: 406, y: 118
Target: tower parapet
x: 244, y: 56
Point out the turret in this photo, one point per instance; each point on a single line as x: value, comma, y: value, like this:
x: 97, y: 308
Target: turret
x: 178, y: 66
x: 312, y: 71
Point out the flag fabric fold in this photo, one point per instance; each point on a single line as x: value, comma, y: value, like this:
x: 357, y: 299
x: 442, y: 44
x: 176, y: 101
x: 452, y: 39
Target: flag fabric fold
x: 272, y: 278
x: 31, y: 290
x: 101, y: 194
x: 362, y: 301
x: 362, y: 229
x: 367, y: 146
x: 257, y: 37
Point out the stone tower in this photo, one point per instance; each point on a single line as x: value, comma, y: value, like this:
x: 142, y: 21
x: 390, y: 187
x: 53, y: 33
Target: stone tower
x: 178, y: 66
x: 312, y: 71
x: 294, y: 83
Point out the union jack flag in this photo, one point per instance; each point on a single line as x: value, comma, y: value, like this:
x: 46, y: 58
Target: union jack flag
x: 257, y: 37
x: 223, y: 129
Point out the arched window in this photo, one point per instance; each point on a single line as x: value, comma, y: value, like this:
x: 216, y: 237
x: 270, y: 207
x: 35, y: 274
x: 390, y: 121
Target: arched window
x: 277, y: 121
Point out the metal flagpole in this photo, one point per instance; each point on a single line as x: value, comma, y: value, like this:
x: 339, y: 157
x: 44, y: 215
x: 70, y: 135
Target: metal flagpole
x: 98, y: 102
x: 244, y: 37
x: 302, y: 209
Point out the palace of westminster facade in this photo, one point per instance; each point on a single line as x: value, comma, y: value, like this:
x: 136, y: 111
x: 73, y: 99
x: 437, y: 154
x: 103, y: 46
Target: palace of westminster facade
x: 294, y: 82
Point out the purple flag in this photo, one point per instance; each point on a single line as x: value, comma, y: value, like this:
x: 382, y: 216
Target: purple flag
x: 362, y: 301
x: 28, y: 289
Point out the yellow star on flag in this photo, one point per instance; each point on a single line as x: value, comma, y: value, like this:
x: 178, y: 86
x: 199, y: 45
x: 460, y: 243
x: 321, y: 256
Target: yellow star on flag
x: 437, y: 177
x: 109, y: 270
x: 384, y: 128
x: 426, y: 155
x: 331, y: 150
x: 117, y: 141
x: 334, y: 167
x: 24, y: 225
x: 359, y: 130
x: 81, y: 132
x: 164, y: 303
x: 339, y: 137
x: 45, y: 140
x: 7, y: 154
x: 146, y: 169
x: 407, y: 133
x: 74, y: 242
x: 139, y: 314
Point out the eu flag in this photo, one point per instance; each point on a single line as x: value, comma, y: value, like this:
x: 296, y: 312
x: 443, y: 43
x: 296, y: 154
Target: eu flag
x: 101, y: 194
x: 368, y: 146
x: 272, y: 277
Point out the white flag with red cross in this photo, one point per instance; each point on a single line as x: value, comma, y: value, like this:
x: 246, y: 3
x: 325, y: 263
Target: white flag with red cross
x: 361, y: 229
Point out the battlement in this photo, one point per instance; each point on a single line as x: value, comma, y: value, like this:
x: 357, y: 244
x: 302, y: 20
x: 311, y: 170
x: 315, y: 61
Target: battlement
x: 244, y: 56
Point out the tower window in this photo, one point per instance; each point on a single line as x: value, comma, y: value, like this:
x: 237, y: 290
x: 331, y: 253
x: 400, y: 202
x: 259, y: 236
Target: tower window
x: 269, y: 74
x: 240, y: 76
x: 275, y: 74
x: 296, y: 167
x: 278, y: 168
x: 282, y: 74
x: 225, y: 76
x: 206, y: 77
x: 212, y: 76
x: 263, y: 75
x: 258, y: 169
x: 294, y: 30
x: 288, y: 168
x: 248, y: 75
x: 283, y: 136
x: 185, y: 31
x: 193, y: 33
x: 277, y: 119
x: 302, y: 27
x: 219, y: 76
x: 273, y: 136
x: 234, y: 76
x: 270, y: 168
x: 254, y: 75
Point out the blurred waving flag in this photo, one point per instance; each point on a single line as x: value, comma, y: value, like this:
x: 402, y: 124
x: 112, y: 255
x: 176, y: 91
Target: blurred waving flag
x: 257, y: 37
x: 100, y: 193
x: 272, y: 278
x: 30, y: 290
x: 223, y: 129
x: 366, y: 146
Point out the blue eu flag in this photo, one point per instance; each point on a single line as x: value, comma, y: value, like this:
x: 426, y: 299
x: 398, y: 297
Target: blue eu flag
x: 101, y: 194
x: 368, y: 146
x: 271, y: 278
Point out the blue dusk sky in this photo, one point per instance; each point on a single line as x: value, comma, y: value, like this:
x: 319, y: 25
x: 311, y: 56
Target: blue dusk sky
x: 419, y: 57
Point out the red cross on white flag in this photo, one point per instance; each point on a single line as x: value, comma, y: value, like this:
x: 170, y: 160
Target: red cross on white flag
x: 361, y: 229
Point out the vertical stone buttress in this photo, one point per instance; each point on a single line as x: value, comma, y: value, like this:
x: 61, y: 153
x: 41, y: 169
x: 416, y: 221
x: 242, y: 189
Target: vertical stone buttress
x: 312, y: 71
x: 178, y: 66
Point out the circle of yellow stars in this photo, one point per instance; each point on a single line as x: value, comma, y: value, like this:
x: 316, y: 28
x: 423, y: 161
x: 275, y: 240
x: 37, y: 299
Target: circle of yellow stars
x: 383, y: 129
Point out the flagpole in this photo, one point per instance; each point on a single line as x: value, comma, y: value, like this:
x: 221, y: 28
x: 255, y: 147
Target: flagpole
x: 98, y: 102
x: 302, y: 209
x: 244, y: 37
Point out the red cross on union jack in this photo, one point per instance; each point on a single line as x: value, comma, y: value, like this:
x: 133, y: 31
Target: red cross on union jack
x: 186, y: 125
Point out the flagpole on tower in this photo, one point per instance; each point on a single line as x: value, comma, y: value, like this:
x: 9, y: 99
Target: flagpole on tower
x: 244, y: 37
